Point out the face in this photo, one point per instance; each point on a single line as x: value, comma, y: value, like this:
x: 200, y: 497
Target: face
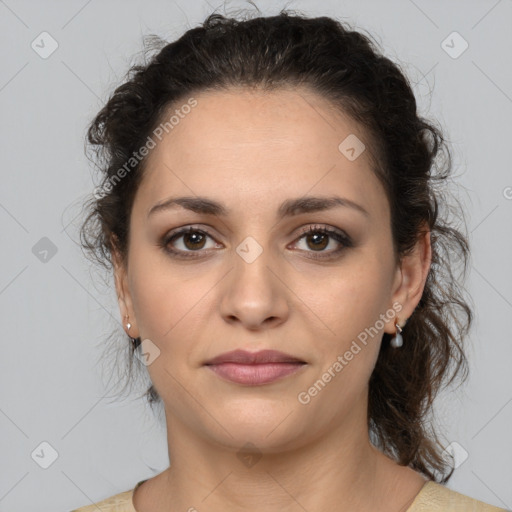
x: 314, y: 280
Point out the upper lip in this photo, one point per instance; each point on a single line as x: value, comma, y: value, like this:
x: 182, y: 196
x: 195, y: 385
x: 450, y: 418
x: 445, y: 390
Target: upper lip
x: 260, y: 357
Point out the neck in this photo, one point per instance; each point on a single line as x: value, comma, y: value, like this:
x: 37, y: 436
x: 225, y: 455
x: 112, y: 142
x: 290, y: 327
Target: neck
x: 340, y: 470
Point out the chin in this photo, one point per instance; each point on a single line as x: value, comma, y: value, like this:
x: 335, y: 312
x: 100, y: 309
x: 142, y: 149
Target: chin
x: 269, y: 430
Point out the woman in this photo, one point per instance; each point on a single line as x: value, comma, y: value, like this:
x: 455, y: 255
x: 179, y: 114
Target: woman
x: 270, y: 209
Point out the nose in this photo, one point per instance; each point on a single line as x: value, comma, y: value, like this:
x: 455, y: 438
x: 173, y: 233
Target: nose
x: 254, y: 294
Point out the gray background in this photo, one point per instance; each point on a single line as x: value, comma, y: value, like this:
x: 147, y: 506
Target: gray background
x: 56, y: 313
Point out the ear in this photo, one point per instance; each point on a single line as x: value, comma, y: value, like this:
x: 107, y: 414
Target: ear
x: 123, y: 293
x: 410, y: 278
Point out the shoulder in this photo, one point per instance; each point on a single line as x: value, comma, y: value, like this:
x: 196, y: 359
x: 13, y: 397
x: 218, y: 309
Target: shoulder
x: 122, y: 502
x: 435, y: 497
x: 119, y: 503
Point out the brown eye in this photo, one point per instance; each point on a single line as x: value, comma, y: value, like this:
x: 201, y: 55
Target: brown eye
x: 318, y: 238
x: 194, y: 240
x: 185, y: 241
x: 317, y: 241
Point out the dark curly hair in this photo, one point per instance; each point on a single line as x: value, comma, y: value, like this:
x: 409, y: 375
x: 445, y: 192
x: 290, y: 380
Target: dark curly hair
x: 409, y: 155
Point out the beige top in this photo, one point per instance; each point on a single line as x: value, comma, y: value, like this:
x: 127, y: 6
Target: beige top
x: 433, y: 497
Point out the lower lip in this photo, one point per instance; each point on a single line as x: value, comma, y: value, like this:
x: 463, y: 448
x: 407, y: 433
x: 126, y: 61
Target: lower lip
x: 255, y: 374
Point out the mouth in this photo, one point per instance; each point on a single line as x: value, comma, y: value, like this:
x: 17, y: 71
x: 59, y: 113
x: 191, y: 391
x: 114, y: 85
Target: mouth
x: 254, y: 368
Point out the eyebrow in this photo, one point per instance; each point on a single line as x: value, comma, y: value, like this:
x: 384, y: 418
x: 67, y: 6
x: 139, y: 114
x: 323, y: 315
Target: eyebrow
x: 288, y: 208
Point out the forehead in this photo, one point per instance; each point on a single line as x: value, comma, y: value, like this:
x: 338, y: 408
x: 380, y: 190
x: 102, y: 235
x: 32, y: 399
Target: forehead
x: 284, y: 142
x: 240, y: 119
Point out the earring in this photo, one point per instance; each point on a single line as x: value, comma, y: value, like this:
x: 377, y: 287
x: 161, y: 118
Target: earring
x: 397, y: 340
x: 135, y: 341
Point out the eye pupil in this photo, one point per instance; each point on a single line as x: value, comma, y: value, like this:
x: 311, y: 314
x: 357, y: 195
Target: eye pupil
x: 316, y: 238
x: 197, y: 239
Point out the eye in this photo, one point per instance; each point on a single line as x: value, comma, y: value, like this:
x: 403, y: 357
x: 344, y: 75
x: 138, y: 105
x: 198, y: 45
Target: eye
x: 192, y: 240
x: 319, y: 238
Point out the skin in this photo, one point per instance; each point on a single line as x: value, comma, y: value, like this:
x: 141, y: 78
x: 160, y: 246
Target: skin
x: 251, y: 151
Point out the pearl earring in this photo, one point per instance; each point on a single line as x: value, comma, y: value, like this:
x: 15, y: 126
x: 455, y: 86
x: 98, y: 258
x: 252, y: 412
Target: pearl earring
x: 135, y: 341
x: 397, y: 340
x: 128, y: 324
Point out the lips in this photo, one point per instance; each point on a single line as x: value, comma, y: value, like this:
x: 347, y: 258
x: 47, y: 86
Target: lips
x: 254, y: 368
x: 261, y: 357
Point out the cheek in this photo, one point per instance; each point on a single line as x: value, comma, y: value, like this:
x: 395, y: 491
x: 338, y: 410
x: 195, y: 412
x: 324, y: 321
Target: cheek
x: 347, y: 323
x: 162, y: 302
x: 347, y: 330
x: 170, y: 312
x: 173, y: 305
x: 346, y: 299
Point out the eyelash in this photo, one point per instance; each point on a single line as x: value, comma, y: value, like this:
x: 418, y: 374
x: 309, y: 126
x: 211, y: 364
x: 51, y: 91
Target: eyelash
x: 340, y: 237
